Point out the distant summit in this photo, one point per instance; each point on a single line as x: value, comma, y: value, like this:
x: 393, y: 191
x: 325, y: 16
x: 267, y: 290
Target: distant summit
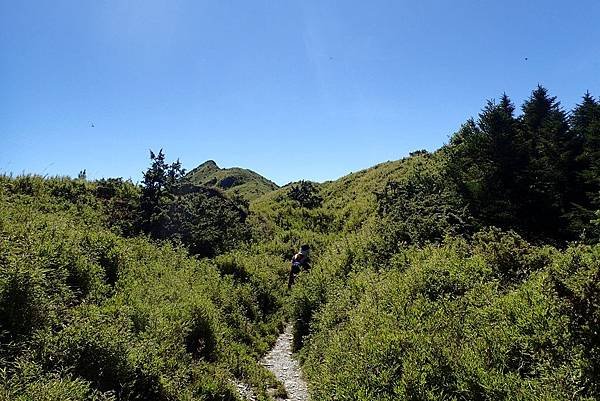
x: 208, y: 165
x: 247, y: 183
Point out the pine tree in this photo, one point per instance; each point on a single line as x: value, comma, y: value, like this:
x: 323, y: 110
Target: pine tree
x: 585, y: 123
x: 551, y: 149
x: 484, y: 161
x: 505, y: 164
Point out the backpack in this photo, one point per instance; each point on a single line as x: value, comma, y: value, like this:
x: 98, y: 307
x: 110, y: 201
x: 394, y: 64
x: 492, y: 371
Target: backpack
x: 297, y: 262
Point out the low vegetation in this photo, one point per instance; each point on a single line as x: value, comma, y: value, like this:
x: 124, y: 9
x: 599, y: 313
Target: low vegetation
x: 471, y: 272
x: 468, y: 273
x: 86, y: 313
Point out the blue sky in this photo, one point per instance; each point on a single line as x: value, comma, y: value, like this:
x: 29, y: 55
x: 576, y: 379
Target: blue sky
x: 291, y: 89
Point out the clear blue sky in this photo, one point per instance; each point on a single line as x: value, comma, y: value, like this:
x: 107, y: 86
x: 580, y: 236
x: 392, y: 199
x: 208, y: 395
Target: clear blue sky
x: 291, y: 89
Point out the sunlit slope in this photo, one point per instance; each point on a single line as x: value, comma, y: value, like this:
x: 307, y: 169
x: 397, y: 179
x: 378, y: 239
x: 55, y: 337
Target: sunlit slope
x: 351, y: 200
x: 353, y: 196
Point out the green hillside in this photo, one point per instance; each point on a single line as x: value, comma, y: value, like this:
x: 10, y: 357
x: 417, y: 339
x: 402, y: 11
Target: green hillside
x: 243, y: 182
x: 354, y: 195
x: 467, y: 273
x: 350, y: 201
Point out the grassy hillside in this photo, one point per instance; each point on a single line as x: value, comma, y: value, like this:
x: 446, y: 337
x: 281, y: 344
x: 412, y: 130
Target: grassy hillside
x: 348, y: 202
x: 410, y: 298
x: 234, y: 181
x: 354, y: 196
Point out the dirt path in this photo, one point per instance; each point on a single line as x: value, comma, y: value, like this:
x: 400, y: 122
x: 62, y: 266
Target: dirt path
x: 279, y: 361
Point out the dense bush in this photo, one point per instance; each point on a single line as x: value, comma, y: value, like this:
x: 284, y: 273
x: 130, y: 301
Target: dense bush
x: 452, y: 322
x: 203, y: 219
x: 423, y: 208
x: 306, y: 194
x: 86, y: 314
x: 121, y: 202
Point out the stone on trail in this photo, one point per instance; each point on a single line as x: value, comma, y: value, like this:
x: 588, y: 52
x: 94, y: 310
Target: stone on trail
x: 287, y: 370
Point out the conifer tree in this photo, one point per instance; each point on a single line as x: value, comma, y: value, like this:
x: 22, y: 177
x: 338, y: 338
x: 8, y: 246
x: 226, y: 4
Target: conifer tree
x: 158, y: 193
x: 551, y: 150
x: 485, y: 163
x: 585, y: 123
x: 535, y: 173
x: 505, y: 164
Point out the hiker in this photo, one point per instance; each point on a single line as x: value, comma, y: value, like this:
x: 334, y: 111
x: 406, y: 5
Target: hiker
x: 300, y: 261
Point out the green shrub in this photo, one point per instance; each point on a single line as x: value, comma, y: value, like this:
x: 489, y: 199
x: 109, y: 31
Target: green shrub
x: 201, y: 337
x: 424, y: 208
x: 461, y: 320
x: 96, y: 348
x: 511, y: 258
x: 96, y: 316
x: 23, y: 307
x: 576, y: 280
x: 306, y: 194
x: 28, y: 382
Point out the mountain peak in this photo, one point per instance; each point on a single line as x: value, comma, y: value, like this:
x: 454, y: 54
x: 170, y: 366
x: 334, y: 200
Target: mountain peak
x: 246, y: 183
x: 209, y: 164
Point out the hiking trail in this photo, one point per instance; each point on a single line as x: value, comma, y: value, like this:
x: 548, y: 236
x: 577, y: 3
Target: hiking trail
x: 287, y: 370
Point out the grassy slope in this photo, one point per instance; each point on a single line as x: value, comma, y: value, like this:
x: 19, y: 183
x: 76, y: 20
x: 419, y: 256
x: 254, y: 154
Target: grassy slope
x: 353, y: 196
x: 246, y: 183
x: 349, y: 201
